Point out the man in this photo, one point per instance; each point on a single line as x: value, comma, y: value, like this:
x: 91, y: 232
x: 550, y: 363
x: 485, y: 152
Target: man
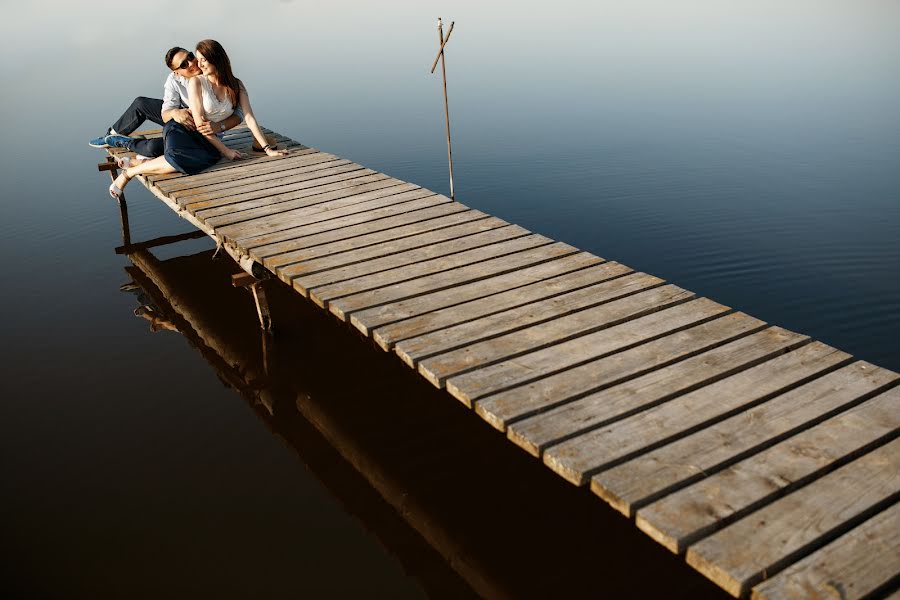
x: 173, y: 106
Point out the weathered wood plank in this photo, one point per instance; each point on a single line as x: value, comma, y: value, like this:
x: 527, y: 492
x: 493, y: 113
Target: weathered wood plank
x: 573, y: 459
x: 309, y: 169
x: 205, y: 178
x: 197, y: 203
x: 491, y: 304
x: 525, y: 314
x: 223, y: 206
x: 322, y: 294
x: 401, y: 320
x: 851, y: 567
x: 291, y: 229
x: 742, y: 554
x: 272, y: 252
x: 329, y: 279
x: 313, y: 203
x: 437, y: 369
x: 333, y: 210
x: 697, y: 510
x: 541, y: 380
x: 641, y: 480
x: 344, y: 307
x: 269, y: 205
x: 373, y: 241
x: 705, y: 406
x: 391, y: 254
x: 228, y: 189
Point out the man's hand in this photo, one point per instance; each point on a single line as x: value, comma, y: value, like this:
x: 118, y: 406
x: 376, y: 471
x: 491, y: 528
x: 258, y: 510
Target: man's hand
x: 207, y: 127
x: 183, y: 116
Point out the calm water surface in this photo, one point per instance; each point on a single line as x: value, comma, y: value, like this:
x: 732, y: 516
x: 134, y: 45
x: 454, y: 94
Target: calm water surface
x: 748, y: 151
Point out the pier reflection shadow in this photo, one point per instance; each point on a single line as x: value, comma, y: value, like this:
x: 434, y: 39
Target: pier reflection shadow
x: 464, y: 511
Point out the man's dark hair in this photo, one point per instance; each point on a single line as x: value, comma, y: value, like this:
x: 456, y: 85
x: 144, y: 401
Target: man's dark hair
x: 171, y: 54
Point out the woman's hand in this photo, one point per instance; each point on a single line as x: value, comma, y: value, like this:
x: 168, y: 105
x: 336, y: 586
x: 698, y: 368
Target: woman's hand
x: 270, y: 151
x: 232, y: 154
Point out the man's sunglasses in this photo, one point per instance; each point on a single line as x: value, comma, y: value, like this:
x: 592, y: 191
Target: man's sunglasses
x: 184, y: 64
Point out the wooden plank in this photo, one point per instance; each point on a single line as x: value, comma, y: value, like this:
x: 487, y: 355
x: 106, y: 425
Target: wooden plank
x: 271, y: 252
x: 294, y: 228
x: 466, y: 333
x: 446, y: 280
x: 373, y: 240
x: 239, y: 182
x: 331, y: 211
x: 646, y: 478
x: 490, y: 301
x: 197, y: 203
x: 347, y: 196
x: 742, y: 554
x: 851, y: 567
x: 269, y: 205
x: 437, y: 369
x: 242, y: 168
x: 574, y: 459
x: 212, y: 208
x: 683, y: 517
x: 400, y: 265
x: 536, y: 382
x: 682, y: 415
x: 204, y: 178
x: 325, y: 293
x: 228, y: 189
x: 400, y: 320
x: 425, y: 245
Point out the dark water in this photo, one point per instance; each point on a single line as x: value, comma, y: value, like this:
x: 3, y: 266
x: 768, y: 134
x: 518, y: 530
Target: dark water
x: 749, y: 152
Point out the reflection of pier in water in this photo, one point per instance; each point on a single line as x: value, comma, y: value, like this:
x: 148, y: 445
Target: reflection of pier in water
x: 460, y: 508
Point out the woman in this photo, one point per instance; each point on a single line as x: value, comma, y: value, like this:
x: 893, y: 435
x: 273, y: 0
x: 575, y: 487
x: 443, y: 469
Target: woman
x: 213, y: 97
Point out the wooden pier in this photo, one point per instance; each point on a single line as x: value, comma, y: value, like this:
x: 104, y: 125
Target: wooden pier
x: 770, y: 461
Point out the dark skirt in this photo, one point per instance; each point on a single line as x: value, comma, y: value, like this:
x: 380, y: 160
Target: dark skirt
x: 188, y: 151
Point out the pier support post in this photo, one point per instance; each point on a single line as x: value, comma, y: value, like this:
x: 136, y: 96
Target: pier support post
x: 246, y: 280
x: 110, y: 165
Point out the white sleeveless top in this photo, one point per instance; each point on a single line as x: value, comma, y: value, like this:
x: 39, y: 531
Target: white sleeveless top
x: 216, y: 110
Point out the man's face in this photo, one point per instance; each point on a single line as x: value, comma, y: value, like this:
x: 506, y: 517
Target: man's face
x: 185, y: 64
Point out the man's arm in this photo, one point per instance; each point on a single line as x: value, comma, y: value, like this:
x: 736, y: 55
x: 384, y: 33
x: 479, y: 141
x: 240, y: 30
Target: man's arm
x: 210, y: 128
x: 172, y: 102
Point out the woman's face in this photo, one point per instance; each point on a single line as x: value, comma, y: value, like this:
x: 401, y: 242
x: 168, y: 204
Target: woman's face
x: 205, y: 65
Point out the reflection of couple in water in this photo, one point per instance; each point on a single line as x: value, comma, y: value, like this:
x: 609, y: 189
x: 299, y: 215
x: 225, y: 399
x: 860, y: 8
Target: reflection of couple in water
x: 202, y: 99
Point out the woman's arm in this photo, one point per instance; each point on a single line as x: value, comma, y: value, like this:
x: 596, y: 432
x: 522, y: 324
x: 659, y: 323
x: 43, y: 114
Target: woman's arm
x: 195, y: 99
x: 250, y: 119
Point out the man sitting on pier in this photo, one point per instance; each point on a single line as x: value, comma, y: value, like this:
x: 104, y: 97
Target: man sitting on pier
x: 173, y: 106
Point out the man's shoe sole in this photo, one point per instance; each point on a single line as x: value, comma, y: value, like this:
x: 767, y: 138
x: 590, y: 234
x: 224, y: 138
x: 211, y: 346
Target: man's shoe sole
x: 101, y: 146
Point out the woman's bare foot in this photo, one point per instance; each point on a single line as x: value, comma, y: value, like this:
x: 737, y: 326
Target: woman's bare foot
x: 117, y: 189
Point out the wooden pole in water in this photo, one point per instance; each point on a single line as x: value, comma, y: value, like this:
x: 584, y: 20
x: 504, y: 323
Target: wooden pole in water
x: 440, y: 56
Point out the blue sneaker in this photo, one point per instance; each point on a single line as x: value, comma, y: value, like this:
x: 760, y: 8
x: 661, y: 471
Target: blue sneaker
x: 117, y: 141
x: 99, y: 142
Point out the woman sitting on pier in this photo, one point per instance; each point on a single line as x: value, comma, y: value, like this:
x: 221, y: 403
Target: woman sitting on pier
x: 212, y: 97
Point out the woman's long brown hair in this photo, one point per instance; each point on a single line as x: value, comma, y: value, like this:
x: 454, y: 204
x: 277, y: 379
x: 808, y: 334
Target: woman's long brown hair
x: 215, y: 54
